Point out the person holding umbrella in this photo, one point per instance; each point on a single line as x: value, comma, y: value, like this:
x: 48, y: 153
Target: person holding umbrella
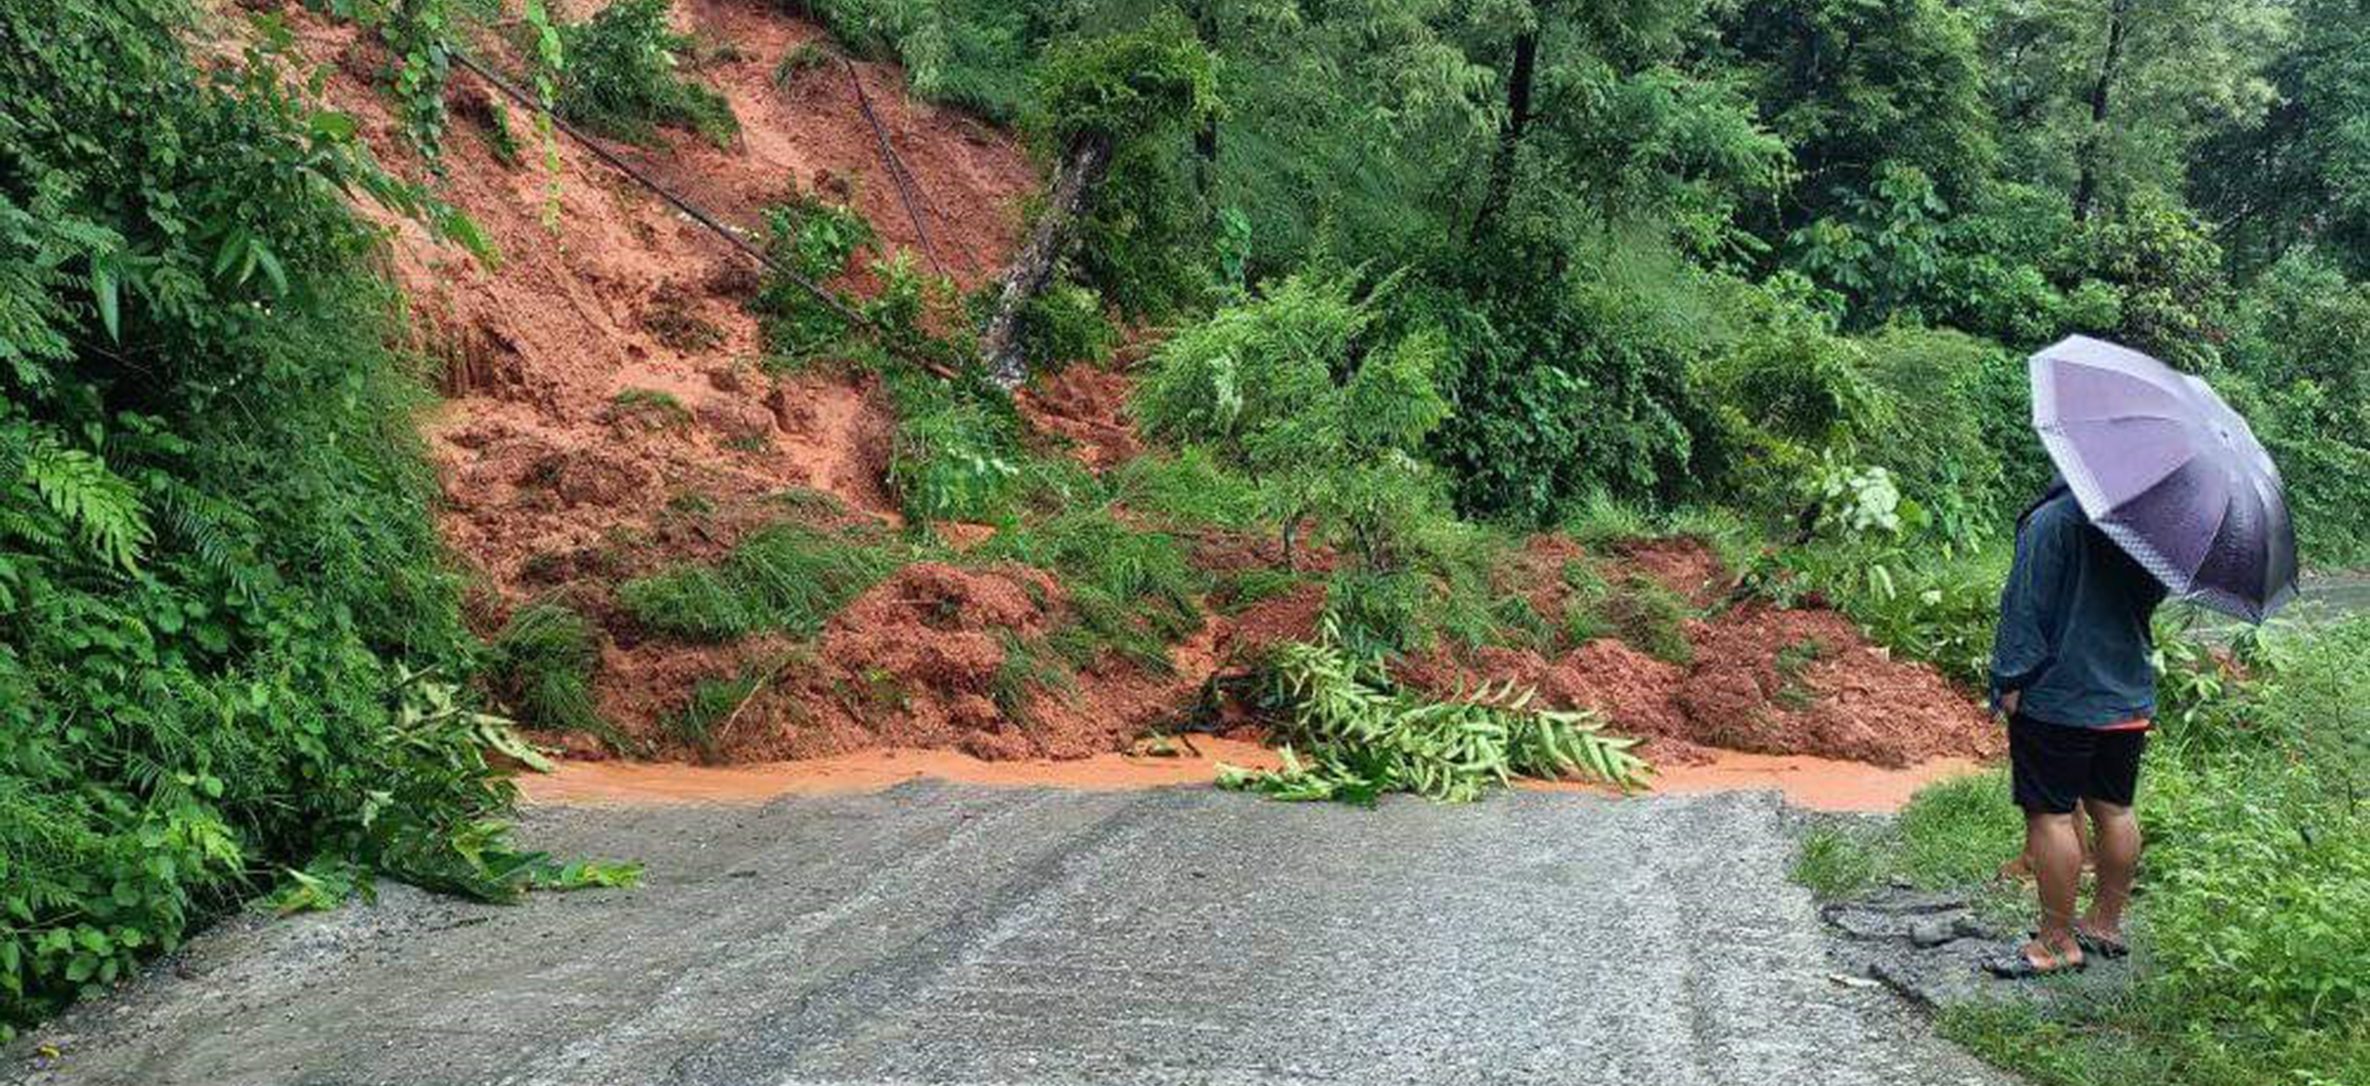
x: 2161, y: 490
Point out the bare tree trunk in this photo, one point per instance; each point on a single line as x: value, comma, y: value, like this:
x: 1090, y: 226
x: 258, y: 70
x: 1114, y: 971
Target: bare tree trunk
x: 2086, y: 190
x: 1205, y: 138
x: 1518, y: 118
x: 1075, y: 179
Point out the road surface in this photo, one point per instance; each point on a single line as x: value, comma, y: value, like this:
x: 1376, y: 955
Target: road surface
x: 938, y: 933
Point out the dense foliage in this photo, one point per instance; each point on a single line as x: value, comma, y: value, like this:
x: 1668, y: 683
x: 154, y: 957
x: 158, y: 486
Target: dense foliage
x: 229, y: 644
x: 1628, y: 221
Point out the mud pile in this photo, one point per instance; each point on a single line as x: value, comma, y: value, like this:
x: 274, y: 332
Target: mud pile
x: 1757, y: 679
x: 605, y: 418
x: 603, y: 291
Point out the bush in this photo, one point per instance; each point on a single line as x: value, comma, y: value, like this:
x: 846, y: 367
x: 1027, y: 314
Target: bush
x: 1580, y: 388
x: 1953, y: 416
x: 976, y: 54
x: 230, y: 650
x: 622, y: 77
x: 956, y: 460
x: 1275, y: 388
x: 2299, y: 368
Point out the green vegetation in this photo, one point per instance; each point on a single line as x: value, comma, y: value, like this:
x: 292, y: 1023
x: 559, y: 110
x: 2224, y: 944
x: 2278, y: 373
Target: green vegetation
x: 1130, y: 592
x: 806, y: 56
x: 713, y: 704
x: 2258, y: 867
x: 230, y: 650
x: 540, y: 669
x: 789, y: 578
x: 1366, y: 738
x: 623, y: 77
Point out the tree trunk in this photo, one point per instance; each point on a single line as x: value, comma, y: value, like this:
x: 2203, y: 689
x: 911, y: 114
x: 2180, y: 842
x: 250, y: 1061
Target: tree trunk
x: 1518, y: 117
x: 1075, y: 179
x: 1205, y: 138
x: 2086, y: 189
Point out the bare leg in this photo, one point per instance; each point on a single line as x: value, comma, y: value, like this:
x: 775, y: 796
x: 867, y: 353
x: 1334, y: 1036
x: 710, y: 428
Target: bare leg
x: 2118, y: 863
x: 2021, y: 868
x: 2056, y: 856
x: 2083, y: 832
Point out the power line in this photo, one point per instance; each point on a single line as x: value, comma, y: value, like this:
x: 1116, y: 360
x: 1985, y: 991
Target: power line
x: 896, y: 168
x: 699, y: 215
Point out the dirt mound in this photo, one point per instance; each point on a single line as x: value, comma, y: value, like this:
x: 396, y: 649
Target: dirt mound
x: 1758, y: 679
x: 921, y: 660
x: 1683, y: 565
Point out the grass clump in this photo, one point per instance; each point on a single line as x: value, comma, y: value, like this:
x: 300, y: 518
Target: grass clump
x: 1186, y: 490
x: 540, y: 667
x: 655, y: 409
x: 1131, y: 592
x: 1365, y: 737
x: 799, y: 59
x: 789, y: 578
x: 1029, y: 667
x: 1639, y: 610
x: 623, y: 78
x: 712, y: 704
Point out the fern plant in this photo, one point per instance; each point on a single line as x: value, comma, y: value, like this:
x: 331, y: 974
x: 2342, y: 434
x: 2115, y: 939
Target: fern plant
x: 1364, y: 737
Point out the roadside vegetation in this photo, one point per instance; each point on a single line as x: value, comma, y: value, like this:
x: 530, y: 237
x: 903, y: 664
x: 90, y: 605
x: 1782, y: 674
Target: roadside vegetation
x: 1403, y: 284
x: 231, y: 653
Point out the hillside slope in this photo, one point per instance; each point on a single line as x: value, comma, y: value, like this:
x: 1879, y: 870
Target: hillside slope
x: 608, y: 418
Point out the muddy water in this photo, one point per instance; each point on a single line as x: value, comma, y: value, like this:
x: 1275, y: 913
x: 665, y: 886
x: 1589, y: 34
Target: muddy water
x: 1815, y: 783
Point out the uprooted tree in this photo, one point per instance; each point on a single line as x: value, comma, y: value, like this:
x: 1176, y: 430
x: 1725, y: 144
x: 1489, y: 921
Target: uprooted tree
x: 1105, y: 101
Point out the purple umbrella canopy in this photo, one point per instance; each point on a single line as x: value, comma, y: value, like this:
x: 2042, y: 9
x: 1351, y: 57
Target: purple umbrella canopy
x: 2169, y: 472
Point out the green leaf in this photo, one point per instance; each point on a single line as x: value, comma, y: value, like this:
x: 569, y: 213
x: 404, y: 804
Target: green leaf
x: 332, y: 125
x: 103, y: 290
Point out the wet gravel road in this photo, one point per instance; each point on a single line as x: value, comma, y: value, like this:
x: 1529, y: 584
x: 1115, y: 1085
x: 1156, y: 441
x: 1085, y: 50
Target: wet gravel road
x: 949, y: 934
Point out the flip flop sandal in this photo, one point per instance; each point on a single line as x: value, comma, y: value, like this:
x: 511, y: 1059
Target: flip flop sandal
x: 2013, y: 964
x: 2099, y: 944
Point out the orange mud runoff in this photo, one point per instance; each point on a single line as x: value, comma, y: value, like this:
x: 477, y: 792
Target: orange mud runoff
x: 1817, y: 783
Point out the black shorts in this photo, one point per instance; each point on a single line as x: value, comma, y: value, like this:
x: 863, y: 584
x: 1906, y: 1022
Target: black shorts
x: 2052, y: 766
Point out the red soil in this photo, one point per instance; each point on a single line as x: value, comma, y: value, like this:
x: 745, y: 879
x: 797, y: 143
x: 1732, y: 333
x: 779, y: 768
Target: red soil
x: 553, y: 486
x: 1087, y: 407
x: 1761, y: 680
x: 622, y: 293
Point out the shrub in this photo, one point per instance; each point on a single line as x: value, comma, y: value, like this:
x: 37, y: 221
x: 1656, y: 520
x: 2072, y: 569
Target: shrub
x: 1066, y: 324
x: 956, y: 460
x: 976, y: 54
x: 1579, y: 387
x: 230, y: 650
x: 1940, y: 427
x: 816, y: 239
x: 622, y: 77
x: 1275, y: 388
x: 789, y: 578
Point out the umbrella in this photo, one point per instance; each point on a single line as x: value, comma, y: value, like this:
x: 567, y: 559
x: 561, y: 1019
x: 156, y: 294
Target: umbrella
x: 2169, y: 472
